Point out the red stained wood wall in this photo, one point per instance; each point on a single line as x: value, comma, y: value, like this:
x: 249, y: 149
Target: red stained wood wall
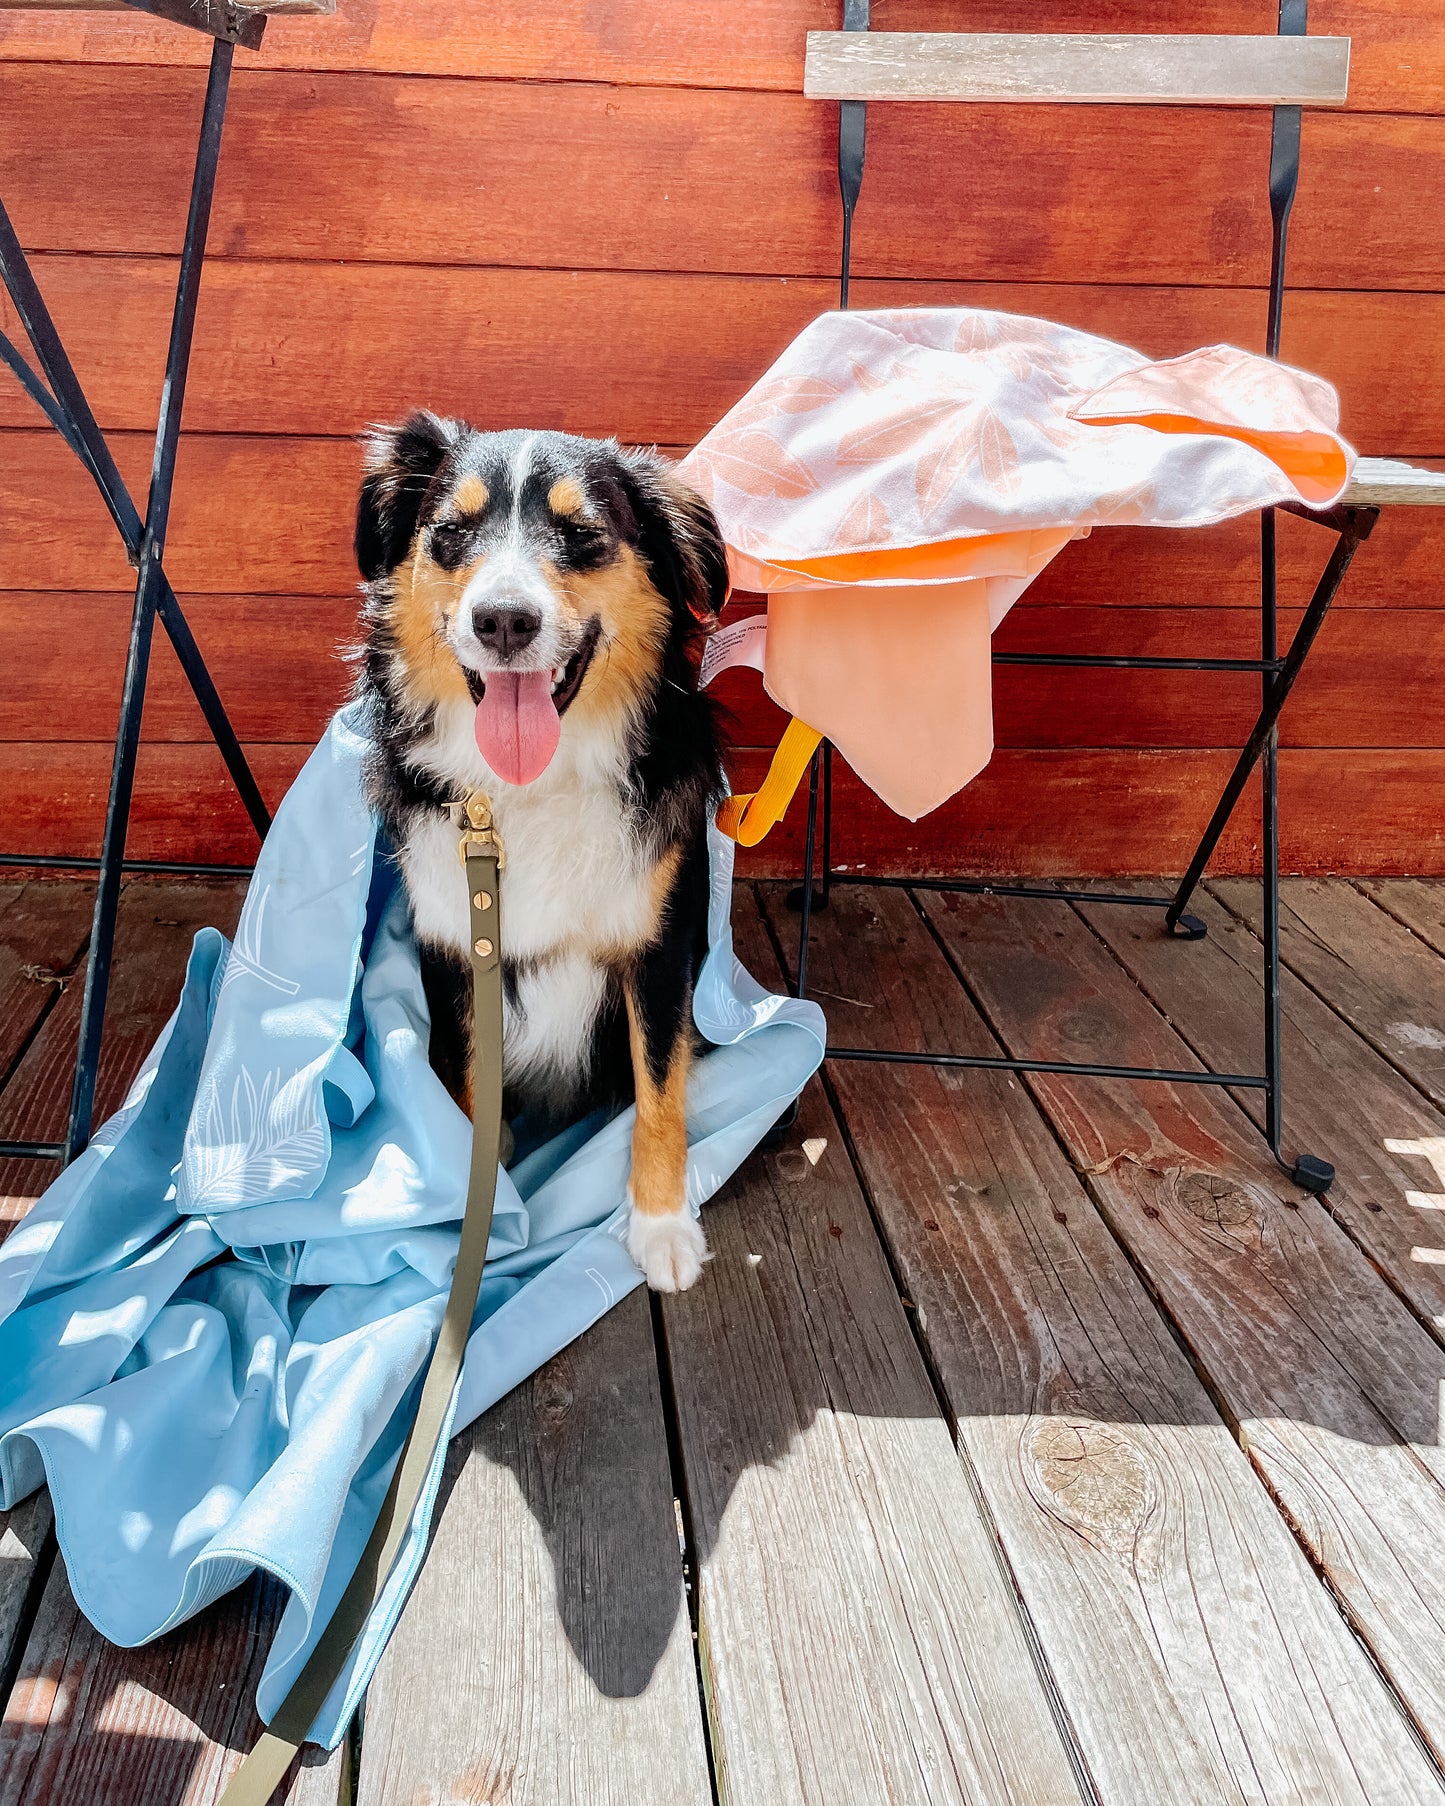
x: 609, y: 216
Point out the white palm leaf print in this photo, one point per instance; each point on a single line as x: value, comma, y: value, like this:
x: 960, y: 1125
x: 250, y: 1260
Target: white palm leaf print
x: 256, y: 1144
x: 244, y: 960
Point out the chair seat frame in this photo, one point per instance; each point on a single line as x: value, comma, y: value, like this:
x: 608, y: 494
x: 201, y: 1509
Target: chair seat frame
x: 1278, y: 671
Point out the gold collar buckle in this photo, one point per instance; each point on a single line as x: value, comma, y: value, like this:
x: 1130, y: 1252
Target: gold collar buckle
x: 480, y: 832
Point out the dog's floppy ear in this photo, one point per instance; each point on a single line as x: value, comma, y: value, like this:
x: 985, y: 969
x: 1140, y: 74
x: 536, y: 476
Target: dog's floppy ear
x: 400, y: 464
x: 679, y: 539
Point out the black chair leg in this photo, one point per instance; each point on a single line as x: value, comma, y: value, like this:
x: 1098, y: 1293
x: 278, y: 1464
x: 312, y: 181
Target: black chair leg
x: 65, y: 405
x: 147, y: 596
x: 804, y: 898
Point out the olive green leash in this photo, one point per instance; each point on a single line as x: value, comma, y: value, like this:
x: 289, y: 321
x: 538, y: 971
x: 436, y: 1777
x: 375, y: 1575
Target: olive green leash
x: 265, y: 1766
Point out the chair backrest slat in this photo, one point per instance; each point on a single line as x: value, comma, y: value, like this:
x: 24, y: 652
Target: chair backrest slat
x: 1379, y: 482
x: 1185, y: 69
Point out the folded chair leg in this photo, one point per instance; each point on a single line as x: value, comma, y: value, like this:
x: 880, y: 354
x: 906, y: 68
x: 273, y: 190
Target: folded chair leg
x: 852, y: 148
x: 32, y: 384
x: 1269, y: 789
x: 1307, y: 1170
x: 1262, y: 749
x: 64, y: 402
x: 203, y: 688
x: 804, y: 899
x: 805, y: 921
x: 1354, y: 530
x: 149, y: 584
x: 810, y: 896
x: 65, y: 405
x: 821, y: 900
x: 112, y: 852
x: 172, y: 617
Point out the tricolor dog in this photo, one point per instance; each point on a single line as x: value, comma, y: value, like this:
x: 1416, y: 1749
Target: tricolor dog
x: 534, y: 608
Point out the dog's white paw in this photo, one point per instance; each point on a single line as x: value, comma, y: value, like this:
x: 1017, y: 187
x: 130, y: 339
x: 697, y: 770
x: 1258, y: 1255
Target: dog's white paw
x: 670, y: 1250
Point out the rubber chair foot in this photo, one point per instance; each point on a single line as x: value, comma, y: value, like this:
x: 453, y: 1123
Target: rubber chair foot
x: 1313, y: 1174
x: 778, y: 1134
x: 1189, y: 928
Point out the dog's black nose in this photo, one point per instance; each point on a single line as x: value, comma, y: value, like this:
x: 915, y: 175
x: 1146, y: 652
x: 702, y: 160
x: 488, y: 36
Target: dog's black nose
x: 506, y: 630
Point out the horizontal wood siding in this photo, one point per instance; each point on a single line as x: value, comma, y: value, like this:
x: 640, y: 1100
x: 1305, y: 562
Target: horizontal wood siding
x: 1397, y: 57
x: 608, y: 216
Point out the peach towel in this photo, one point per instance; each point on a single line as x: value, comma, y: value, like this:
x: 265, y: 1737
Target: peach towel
x: 898, y: 479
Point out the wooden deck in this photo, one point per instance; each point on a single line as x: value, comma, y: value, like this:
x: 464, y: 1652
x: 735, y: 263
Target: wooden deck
x: 1023, y: 1442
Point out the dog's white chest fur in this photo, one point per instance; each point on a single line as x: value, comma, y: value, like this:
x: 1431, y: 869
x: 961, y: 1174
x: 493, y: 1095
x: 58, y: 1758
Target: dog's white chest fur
x: 576, y: 888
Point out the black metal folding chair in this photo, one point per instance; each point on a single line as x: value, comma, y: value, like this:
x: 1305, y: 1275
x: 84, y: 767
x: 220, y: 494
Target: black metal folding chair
x: 57, y: 392
x: 1286, y: 72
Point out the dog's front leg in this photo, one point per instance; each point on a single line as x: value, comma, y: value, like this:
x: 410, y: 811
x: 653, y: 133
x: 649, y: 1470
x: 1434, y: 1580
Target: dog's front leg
x: 446, y: 978
x: 663, y: 1237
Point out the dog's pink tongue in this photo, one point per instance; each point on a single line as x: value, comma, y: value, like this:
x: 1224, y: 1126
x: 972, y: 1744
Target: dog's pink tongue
x: 517, y: 724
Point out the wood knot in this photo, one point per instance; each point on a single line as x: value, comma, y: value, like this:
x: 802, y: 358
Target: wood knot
x: 485, y: 1783
x: 965, y: 1191
x: 1091, y: 1476
x: 552, y: 1393
x: 1092, y: 1023
x: 1220, y: 1204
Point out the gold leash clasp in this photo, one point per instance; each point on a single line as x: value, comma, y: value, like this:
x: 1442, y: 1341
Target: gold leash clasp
x: 480, y: 831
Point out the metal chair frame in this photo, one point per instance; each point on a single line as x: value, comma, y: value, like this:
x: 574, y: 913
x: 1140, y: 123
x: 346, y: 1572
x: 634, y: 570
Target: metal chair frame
x: 1277, y: 673
x: 57, y: 392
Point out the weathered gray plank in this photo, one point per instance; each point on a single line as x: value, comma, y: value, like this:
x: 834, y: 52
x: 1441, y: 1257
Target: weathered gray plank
x: 545, y: 1655
x: 1195, y: 69
x: 1197, y: 1656
x: 320, y: 1778
x: 860, y: 1641
x: 1333, y: 1384
x: 1417, y: 902
x: 1386, y: 1143
x: 166, y: 1725
x: 850, y: 1605
x: 1385, y: 982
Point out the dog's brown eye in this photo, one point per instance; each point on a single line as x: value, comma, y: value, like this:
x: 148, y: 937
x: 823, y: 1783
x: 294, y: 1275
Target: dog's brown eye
x: 585, y: 545
x: 448, y: 537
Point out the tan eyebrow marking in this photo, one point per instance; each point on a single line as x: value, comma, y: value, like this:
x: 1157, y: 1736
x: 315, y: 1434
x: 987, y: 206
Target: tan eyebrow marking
x: 471, y: 495
x: 566, y: 497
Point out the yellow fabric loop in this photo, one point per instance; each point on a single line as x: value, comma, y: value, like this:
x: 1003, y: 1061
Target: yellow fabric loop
x: 747, y: 819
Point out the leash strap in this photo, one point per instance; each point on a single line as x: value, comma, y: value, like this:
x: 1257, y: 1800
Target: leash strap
x: 266, y: 1764
x: 746, y: 819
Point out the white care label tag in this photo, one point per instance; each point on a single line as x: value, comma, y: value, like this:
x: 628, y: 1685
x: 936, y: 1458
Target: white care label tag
x: 741, y: 644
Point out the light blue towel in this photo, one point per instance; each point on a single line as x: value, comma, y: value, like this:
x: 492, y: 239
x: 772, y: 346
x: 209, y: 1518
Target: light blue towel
x: 213, y: 1323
